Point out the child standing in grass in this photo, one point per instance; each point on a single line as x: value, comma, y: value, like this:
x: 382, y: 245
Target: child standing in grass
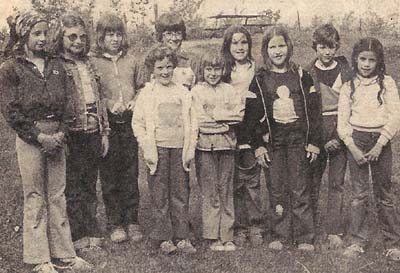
x: 88, y: 133
x: 35, y: 94
x: 329, y: 73
x: 368, y: 118
x: 239, y: 71
x: 283, y: 124
x: 218, y: 107
x: 165, y: 127
x: 119, y: 168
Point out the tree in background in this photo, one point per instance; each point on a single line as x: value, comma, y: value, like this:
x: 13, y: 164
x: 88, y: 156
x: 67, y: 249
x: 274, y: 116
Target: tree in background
x: 188, y: 9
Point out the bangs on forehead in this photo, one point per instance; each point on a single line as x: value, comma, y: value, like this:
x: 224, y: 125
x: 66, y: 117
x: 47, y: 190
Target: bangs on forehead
x: 113, y: 26
x: 213, y: 60
x: 174, y: 28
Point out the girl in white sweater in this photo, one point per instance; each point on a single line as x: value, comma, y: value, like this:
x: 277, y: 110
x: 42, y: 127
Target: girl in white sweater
x: 368, y: 119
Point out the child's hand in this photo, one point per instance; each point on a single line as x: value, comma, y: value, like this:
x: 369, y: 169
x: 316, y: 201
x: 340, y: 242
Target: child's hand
x: 262, y: 157
x: 130, y: 105
x: 50, y: 144
x: 186, y: 165
x: 312, y: 156
x: 312, y: 152
x: 118, y: 108
x: 332, y: 145
x: 374, y: 153
x: 60, y: 137
x: 357, y: 154
x: 105, y: 145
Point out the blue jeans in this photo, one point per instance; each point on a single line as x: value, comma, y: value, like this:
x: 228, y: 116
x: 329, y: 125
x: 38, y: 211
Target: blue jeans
x: 169, y: 190
x: 336, y: 162
x: 247, y: 189
x: 381, y: 172
x: 291, y: 214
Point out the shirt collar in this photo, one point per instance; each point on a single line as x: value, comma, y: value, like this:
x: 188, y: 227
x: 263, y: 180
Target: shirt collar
x: 113, y: 57
x: 366, y: 81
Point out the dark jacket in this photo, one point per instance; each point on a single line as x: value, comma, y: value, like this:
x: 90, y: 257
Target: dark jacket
x: 80, y: 112
x: 330, y: 98
x: 258, y: 118
x: 28, y: 96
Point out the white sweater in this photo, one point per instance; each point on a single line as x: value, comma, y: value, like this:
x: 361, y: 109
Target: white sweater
x: 363, y: 112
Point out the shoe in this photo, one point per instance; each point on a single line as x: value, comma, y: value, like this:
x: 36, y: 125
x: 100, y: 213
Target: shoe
x: 335, y: 241
x: 45, y: 268
x: 167, y: 247
x: 134, y: 233
x: 217, y: 246
x: 275, y: 245
x: 185, y: 246
x: 306, y: 247
x: 95, y: 242
x: 255, y: 237
x: 393, y: 254
x: 241, y: 238
x: 353, y: 251
x: 82, y: 243
x: 118, y: 235
x: 76, y: 264
x: 230, y: 246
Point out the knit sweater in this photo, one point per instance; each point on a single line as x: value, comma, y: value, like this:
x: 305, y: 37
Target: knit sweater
x: 144, y: 122
x: 217, y: 108
x: 363, y: 112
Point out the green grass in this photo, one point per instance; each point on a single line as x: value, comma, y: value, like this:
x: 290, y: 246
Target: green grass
x: 142, y: 258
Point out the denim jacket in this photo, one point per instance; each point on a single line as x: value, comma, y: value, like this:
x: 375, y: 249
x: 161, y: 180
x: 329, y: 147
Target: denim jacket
x: 81, y: 114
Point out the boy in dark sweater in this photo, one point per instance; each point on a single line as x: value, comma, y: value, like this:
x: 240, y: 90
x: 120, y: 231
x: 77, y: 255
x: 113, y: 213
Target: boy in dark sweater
x: 329, y: 73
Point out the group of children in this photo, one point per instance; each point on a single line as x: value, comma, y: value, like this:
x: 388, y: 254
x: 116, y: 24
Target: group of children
x: 78, y: 115
x: 292, y: 122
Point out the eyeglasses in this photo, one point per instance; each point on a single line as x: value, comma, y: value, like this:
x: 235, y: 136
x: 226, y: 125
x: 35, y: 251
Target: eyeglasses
x: 171, y: 34
x: 73, y: 37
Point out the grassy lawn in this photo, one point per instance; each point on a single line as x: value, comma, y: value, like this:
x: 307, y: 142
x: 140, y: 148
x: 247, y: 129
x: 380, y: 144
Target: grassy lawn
x: 142, y: 258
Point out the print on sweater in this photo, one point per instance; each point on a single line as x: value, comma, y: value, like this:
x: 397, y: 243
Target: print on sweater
x: 283, y: 107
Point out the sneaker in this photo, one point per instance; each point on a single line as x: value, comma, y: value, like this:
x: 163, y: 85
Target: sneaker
x: 255, y: 237
x: 275, y: 245
x: 353, y: 251
x: 306, y: 247
x: 230, y: 246
x: 335, y: 241
x: 217, y: 246
x: 76, y: 264
x: 45, y: 268
x: 82, y: 243
x: 241, y: 237
x: 134, y: 233
x: 185, y: 246
x: 393, y: 254
x: 118, y: 235
x: 167, y: 247
x: 95, y: 242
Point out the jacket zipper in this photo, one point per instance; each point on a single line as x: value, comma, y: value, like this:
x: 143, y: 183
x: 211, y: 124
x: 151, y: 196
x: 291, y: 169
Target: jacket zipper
x: 265, y: 110
x: 305, y: 104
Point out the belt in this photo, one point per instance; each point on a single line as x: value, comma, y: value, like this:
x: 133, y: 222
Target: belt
x: 91, y: 108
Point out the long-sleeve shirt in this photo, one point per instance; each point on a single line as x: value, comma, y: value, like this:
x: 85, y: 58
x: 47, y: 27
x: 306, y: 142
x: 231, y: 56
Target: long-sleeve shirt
x: 120, y: 77
x: 216, y: 109
x: 147, y: 119
x: 363, y: 112
x: 28, y: 96
x: 89, y: 83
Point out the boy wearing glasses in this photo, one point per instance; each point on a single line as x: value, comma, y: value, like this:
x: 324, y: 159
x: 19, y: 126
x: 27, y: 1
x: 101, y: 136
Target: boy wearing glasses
x: 171, y: 31
x: 88, y: 132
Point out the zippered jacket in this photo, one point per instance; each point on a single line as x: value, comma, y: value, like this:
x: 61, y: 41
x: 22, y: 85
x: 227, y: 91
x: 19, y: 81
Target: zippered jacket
x: 258, y: 119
